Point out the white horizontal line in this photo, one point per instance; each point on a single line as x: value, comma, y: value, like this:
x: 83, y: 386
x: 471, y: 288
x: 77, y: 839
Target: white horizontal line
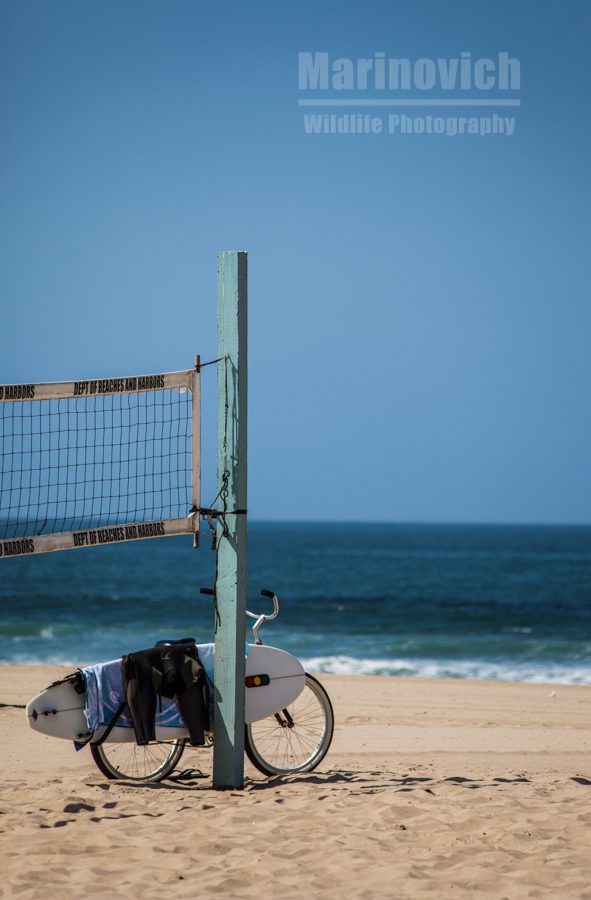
x: 409, y: 102
x: 64, y: 540
x: 94, y: 387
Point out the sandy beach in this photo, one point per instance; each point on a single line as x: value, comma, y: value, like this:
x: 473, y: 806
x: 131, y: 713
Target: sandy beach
x: 437, y: 788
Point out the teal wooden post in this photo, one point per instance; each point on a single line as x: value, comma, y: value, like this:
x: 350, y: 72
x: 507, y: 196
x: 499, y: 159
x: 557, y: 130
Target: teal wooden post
x: 230, y: 586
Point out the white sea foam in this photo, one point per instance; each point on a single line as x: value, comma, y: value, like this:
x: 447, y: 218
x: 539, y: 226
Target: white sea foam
x: 536, y: 673
x: 518, y: 630
x: 418, y: 668
x: 435, y: 668
x: 25, y: 659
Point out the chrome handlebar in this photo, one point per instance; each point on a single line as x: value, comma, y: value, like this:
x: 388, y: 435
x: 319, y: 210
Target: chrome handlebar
x: 260, y: 618
x: 263, y: 617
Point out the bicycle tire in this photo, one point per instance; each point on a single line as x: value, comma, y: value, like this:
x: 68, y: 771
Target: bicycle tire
x: 141, y: 764
x: 295, y: 740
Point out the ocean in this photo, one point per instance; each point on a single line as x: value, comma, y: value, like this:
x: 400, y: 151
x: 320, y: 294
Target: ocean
x: 458, y: 601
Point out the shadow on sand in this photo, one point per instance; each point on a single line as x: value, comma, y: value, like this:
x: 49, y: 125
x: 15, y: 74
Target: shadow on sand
x: 355, y: 781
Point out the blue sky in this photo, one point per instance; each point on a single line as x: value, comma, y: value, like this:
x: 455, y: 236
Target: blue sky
x: 419, y: 304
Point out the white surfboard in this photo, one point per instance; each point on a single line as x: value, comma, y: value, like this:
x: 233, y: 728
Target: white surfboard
x: 58, y: 711
x: 277, y: 679
x: 286, y: 681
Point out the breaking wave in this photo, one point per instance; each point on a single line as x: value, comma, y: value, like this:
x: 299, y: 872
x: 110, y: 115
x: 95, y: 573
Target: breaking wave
x: 432, y: 668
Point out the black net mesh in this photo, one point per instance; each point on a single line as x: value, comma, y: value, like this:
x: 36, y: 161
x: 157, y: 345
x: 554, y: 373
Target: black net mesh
x: 67, y: 465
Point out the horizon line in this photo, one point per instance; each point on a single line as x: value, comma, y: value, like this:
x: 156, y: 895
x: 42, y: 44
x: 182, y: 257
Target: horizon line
x: 439, y: 522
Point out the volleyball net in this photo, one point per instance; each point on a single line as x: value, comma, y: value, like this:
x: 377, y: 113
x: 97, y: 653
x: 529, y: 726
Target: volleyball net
x: 99, y: 461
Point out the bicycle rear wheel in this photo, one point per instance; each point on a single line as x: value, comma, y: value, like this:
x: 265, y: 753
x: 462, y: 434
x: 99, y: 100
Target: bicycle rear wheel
x: 145, y: 764
x: 297, y: 738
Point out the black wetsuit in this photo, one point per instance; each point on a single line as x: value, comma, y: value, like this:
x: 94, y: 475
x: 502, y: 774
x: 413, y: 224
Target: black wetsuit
x: 169, y: 671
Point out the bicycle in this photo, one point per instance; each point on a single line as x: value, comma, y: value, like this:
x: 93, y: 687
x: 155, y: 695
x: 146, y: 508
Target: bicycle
x: 293, y: 739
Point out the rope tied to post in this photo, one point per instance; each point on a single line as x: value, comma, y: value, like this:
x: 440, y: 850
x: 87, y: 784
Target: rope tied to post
x: 210, y: 513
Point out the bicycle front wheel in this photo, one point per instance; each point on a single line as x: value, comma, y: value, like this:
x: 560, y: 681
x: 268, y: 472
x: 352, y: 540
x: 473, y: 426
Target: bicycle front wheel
x: 297, y: 738
x: 144, y: 765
